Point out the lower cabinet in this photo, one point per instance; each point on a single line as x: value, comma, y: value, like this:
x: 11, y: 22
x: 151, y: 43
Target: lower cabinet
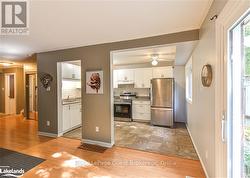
x: 141, y: 111
x: 71, y: 116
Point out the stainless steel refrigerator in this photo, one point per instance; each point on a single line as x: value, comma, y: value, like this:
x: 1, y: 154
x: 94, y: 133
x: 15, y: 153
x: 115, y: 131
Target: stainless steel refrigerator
x: 162, y: 102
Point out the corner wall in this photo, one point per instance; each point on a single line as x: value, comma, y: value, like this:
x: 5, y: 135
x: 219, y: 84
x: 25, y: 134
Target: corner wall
x: 201, y: 112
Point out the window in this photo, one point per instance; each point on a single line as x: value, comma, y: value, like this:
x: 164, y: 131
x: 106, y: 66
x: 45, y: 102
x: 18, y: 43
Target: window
x: 188, y: 73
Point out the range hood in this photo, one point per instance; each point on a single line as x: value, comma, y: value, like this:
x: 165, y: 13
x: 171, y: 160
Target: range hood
x: 125, y: 82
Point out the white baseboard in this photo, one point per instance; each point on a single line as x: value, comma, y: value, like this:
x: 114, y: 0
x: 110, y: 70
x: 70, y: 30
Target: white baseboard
x: 99, y: 143
x: 202, y: 164
x: 46, y: 134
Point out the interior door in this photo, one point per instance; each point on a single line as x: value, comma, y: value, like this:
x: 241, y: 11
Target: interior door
x: 10, y: 94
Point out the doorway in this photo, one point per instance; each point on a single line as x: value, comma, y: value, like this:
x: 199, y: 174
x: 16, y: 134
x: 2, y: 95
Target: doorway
x: 10, y: 93
x: 31, y: 96
x: 143, y: 83
x: 69, y: 99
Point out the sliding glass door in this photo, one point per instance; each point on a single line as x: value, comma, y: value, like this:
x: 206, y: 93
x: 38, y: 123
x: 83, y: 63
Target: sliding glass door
x: 239, y: 99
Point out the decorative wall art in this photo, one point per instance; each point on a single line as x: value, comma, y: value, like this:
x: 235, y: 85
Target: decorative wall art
x: 46, y: 80
x: 206, y: 75
x: 94, y: 82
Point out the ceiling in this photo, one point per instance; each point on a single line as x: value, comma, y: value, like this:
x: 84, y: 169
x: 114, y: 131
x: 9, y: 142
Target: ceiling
x: 178, y: 53
x: 63, y: 24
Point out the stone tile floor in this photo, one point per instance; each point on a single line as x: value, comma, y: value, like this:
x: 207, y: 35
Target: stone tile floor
x: 74, y: 134
x: 142, y: 136
x: 168, y: 141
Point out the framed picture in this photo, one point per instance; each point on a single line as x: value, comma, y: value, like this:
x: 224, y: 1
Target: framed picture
x: 94, y: 82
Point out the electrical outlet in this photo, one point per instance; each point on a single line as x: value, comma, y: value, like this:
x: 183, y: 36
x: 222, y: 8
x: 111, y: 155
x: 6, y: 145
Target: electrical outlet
x: 48, y: 123
x: 97, y: 129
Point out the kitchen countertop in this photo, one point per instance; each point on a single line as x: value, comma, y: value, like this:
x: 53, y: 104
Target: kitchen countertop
x: 138, y: 98
x: 71, y: 101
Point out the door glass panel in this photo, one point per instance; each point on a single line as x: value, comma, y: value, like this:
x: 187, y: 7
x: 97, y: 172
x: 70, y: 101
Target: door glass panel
x: 239, y: 99
x: 246, y: 96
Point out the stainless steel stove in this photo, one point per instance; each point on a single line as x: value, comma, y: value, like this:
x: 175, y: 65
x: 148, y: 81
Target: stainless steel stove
x: 123, y: 107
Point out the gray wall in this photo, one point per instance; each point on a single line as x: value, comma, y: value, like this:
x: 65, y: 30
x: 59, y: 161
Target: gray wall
x: 180, y: 100
x: 201, y: 113
x: 96, y: 108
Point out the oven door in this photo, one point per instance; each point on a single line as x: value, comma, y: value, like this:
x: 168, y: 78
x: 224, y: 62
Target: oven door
x: 122, y: 110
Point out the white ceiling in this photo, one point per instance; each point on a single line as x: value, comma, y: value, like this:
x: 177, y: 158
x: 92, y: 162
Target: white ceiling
x: 61, y: 24
x: 141, y: 56
x: 178, y: 53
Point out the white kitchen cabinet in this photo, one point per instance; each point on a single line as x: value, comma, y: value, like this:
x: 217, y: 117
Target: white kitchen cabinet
x: 70, y: 71
x: 126, y: 76
x: 66, y: 118
x: 143, y: 77
x: 72, y: 116
x: 75, y: 111
x: 77, y: 71
x: 141, y: 111
x: 163, y: 72
x: 115, y: 78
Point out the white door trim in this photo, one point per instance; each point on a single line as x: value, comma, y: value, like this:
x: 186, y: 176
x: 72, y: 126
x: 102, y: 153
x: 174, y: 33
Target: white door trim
x: 232, y: 12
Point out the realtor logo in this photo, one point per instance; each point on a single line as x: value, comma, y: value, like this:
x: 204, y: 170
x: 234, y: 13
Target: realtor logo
x: 14, y: 17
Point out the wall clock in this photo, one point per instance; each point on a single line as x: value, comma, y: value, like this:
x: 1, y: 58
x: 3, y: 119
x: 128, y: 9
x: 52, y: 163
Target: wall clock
x: 206, y: 75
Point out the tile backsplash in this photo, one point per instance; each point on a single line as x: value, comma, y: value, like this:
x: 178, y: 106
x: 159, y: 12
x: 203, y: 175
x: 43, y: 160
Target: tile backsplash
x: 71, y: 89
x: 130, y: 88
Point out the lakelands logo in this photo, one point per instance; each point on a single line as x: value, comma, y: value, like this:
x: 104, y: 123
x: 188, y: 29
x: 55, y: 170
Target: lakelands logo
x: 14, y: 17
x: 6, y: 171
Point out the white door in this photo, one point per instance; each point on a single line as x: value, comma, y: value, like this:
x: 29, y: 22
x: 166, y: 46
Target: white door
x: 231, y: 126
x: 10, y: 93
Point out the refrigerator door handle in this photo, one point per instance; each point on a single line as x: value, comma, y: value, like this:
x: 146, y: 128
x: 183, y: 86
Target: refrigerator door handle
x: 151, y: 94
x: 167, y: 109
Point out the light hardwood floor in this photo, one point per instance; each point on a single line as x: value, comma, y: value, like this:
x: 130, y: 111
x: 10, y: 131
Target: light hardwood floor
x: 65, y: 160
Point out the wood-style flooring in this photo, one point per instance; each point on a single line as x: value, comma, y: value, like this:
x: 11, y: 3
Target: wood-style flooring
x: 65, y: 160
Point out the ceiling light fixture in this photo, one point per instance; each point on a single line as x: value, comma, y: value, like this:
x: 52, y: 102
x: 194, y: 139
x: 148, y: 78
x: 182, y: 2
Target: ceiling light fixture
x: 154, y: 61
x: 6, y: 64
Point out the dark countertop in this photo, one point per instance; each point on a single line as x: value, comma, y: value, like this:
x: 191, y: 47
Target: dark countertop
x: 138, y: 98
x: 142, y: 98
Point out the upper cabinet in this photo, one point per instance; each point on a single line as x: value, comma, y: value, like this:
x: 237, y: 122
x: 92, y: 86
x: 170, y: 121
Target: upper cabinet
x: 115, y: 78
x: 70, y: 71
x: 125, y: 76
x: 143, y: 77
x: 140, y: 77
x: 163, y: 72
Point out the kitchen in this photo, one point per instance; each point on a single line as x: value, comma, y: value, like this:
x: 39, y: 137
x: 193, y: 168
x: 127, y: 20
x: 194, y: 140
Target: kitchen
x: 69, y: 99
x: 149, y: 101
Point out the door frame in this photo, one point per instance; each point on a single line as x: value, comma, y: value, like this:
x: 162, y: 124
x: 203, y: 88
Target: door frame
x: 230, y: 15
x: 5, y: 96
x: 27, y: 92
